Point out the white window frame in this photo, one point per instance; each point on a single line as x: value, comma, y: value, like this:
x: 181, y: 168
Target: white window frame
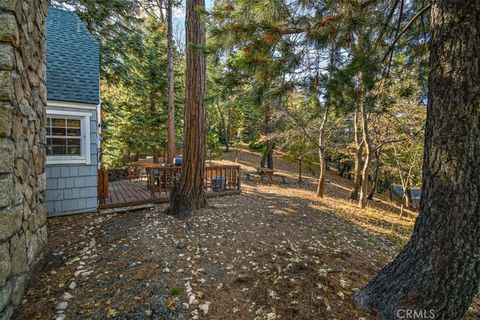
x: 84, y: 118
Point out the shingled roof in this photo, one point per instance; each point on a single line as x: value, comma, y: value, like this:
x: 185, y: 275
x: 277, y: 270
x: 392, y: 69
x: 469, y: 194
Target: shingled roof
x: 73, y: 54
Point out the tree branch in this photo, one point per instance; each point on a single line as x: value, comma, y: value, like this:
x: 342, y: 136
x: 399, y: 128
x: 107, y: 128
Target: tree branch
x: 409, y: 24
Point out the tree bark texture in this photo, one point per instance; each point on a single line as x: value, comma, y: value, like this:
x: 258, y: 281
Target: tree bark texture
x: 362, y: 200
x: 439, y: 269
x: 408, y: 197
x: 268, y: 156
x: 171, y: 136
x: 357, y: 173
x: 321, y: 153
x: 188, y: 194
x: 376, y: 174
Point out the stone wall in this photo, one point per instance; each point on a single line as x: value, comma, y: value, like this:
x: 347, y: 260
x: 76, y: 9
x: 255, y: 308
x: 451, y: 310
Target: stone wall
x: 23, y: 232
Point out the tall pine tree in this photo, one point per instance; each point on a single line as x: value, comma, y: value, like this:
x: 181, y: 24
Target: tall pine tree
x: 438, y: 272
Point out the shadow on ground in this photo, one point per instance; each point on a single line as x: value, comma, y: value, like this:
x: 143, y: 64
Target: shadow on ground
x: 274, y: 252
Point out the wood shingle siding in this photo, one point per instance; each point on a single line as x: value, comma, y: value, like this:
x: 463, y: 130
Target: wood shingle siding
x: 72, y: 188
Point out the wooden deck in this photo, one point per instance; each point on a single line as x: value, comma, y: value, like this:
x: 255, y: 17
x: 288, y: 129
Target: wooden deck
x: 154, y: 186
x: 133, y: 193
x: 123, y: 193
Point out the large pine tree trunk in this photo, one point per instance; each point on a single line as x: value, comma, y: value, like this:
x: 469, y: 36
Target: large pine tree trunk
x: 171, y: 144
x: 189, y: 194
x: 439, y: 269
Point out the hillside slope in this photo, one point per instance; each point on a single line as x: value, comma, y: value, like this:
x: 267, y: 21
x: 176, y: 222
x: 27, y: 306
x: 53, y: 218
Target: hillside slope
x: 274, y: 252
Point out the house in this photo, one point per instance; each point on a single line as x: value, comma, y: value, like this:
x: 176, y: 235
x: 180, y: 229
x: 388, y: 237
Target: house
x: 73, y: 112
x: 415, y: 193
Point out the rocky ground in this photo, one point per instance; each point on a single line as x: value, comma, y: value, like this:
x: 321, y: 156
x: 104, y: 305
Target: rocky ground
x: 274, y: 252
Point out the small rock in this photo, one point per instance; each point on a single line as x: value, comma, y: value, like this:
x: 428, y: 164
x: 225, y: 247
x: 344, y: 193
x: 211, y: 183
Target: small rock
x: 62, y: 305
x: 148, y: 312
x: 67, y: 296
x: 185, y: 306
x: 343, y: 283
x: 273, y: 295
x: 271, y: 316
x: 72, y: 285
x: 204, y: 307
x: 182, y: 245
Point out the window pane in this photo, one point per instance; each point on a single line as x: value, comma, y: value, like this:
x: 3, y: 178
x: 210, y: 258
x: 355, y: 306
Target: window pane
x: 58, y: 132
x: 74, y: 151
x: 74, y: 132
x: 59, y: 142
x: 56, y: 147
x: 59, y: 151
x: 49, y: 131
x: 73, y: 123
x: 58, y: 122
x: 74, y: 148
x: 73, y: 142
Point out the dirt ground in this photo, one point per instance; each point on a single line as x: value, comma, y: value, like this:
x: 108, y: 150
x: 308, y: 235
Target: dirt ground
x: 273, y: 252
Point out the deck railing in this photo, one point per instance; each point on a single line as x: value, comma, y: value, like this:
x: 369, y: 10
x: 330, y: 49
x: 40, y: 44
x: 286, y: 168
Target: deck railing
x: 102, y: 185
x: 154, y: 182
x: 218, y: 178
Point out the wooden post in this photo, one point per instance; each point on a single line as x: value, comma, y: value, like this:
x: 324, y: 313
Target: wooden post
x: 102, y: 177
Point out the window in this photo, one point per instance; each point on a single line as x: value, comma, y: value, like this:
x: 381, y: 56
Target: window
x: 64, y: 137
x: 68, y: 137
